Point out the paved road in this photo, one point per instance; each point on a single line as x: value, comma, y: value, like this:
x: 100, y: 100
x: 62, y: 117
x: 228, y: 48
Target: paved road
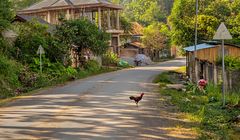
x: 96, y: 108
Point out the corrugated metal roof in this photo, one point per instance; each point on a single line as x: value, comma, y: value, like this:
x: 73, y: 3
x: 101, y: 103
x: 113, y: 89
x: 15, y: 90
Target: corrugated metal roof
x: 41, y: 4
x: 51, y: 27
x: 61, y: 3
x: 80, y: 2
x: 29, y: 18
x: 199, y: 47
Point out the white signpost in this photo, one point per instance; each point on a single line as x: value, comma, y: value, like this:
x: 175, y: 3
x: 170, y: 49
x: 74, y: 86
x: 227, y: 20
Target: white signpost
x: 223, y: 34
x: 40, y: 52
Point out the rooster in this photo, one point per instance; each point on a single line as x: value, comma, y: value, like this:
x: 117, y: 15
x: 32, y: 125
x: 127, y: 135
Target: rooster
x: 137, y: 98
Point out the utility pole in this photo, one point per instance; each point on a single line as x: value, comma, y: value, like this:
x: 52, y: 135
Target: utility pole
x: 195, y: 44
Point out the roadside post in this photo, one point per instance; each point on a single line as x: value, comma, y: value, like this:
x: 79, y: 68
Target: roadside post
x: 40, y: 52
x: 223, y: 34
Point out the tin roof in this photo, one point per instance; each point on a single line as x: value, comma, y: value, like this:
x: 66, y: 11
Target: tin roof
x: 46, y: 4
x: 30, y: 18
x: 199, y: 47
x: 26, y: 18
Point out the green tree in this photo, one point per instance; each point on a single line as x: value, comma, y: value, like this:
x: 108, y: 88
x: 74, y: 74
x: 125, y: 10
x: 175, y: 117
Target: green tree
x: 155, y: 36
x: 211, y: 13
x: 84, y: 34
x: 6, y: 14
x: 234, y: 22
x: 207, y: 26
x: 219, y: 9
x: 30, y: 36
x: 144, y: 11
x: 180, y: 22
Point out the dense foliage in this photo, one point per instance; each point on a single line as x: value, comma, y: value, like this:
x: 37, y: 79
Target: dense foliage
x: 30, y: 36
x: 84, y: 34
x: 145, y: 11
x: 155, y: 36
x: 211, y: 14
x: 203, y: 107
x: 231, y: 63
x: 9, y: 71
x: 6, y: 14
x: 110, y: 59
x: 19, y: 71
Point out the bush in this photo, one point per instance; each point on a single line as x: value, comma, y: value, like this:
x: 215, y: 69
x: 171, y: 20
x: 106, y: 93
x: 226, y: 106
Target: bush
x: 71, y: 71
x: 163, y: 78
x: 232, y: 63
x: 110, y: 59
x: 9, y: 71
x: 92, y: 66
x: 27, y: 77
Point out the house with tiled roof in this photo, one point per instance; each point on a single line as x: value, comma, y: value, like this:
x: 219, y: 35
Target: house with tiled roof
x: 101, y: 12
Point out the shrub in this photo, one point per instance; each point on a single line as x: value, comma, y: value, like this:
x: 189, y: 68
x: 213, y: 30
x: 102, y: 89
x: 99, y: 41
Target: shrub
x: 27, y: 77
x: 232, y: 63
x: 110, y: 59
x: 92, y: 66
x: 71, y: 71
x: 9, y: 71
x: 163, y: 78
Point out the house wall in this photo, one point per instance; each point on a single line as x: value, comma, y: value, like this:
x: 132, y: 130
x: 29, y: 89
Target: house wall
x: 128, y: 52
x: 212, y: 54
x: 206, y: 66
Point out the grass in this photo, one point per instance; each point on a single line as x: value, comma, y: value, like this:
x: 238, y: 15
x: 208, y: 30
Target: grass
x: 163, y: 78
x: 55, y: 82
x: 204, y: 108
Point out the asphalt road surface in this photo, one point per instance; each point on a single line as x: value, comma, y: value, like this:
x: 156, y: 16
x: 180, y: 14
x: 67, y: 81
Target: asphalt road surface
x: 97, y: 108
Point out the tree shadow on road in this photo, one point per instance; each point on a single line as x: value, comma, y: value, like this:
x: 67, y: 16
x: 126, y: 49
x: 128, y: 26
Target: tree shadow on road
x: 103, y: 111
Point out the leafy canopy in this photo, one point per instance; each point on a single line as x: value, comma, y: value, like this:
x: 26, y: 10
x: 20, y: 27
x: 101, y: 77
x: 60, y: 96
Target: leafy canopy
x: 155, y: 36
x: 30, y: 36
x: 6, y: 14
x: 144, y: 11
x: 84, y: 34
x: 211, y: 14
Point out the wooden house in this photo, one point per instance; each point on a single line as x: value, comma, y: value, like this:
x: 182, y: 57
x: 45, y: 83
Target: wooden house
x: 131, y: 49
x: 132, y: 43
x: 101, y: 12
x: 207, y: 55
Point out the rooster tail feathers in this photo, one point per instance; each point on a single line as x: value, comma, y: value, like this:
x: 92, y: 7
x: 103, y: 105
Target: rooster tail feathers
x: 131, y: 98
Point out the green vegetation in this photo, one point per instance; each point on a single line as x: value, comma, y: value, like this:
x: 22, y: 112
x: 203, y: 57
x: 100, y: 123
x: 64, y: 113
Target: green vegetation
x: 232, y: 63
x: 110, y: 59
x: 204, y: 108
x: 19, y: 61
x: 156, y: 36
x: 6, y: 14
x: 9, y: 71
x: 211, y: 13
x: 163, y: 78
x: 85, y: 34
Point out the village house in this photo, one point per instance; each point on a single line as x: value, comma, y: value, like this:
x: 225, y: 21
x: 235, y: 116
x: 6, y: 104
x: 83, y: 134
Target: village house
x: 103, y: 13
x: 133, y: 45
x: 207, y: 56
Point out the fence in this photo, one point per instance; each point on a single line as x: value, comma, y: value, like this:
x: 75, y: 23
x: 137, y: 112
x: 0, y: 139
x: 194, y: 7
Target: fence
x: 232, y: 79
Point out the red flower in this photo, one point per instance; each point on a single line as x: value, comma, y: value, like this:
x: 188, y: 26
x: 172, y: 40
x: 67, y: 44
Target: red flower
x: 202, y: 82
